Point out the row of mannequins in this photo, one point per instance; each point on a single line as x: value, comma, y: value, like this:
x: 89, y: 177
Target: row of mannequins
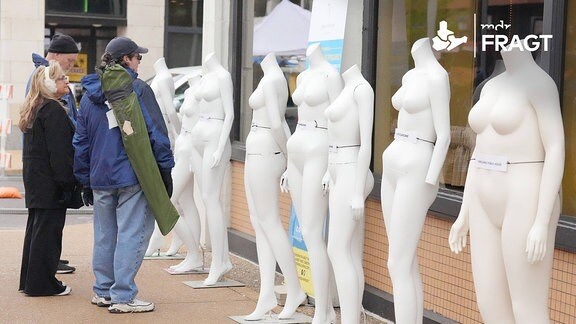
x: 510, y: 204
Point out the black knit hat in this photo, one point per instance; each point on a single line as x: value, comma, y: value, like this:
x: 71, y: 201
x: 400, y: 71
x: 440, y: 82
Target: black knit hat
x: 63, y: 44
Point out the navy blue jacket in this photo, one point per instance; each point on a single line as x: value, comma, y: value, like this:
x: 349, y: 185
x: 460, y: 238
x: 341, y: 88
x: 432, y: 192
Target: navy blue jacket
x: 100, y: 160
x: 68, y: 99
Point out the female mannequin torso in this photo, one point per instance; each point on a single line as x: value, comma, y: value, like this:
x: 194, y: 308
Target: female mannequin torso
x: 411, y: 168
x: 188, y: 227
x: 349, y: 180
x: 307, y: 149
x: 212, y: 150
x: 265, y: 163
x: 511, y: 199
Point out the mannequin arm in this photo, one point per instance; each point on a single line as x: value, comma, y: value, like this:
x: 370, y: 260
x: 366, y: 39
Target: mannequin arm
x: 226, y: 90
x: 440, y: 104
x: 547, y: 107
x: 284, y: 182
x: 459, y: 230
x: 364, y: 97
x: 272, y: 107
x: 166, y: 101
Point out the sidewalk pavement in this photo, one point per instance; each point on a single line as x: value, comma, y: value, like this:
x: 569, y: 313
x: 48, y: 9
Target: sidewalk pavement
x: 175, y: 302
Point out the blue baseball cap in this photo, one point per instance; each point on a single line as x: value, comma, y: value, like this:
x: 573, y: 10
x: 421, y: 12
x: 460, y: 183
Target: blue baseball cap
x: 120, y: 46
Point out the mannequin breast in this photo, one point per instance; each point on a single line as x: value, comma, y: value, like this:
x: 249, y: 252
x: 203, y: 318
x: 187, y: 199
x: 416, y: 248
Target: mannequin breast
x: 413, y: 96
x: 209, y: 89
x: 342, y: 115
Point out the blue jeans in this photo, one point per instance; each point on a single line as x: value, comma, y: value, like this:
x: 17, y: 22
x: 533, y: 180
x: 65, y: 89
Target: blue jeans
x: 123, y: 224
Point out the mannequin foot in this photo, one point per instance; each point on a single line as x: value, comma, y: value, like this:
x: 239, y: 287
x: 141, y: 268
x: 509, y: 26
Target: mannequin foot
x: 189, y: 263
x: 262, y: 309
x: 325, y: 318
x: 292, y: 303
x: 152, y: 252
x: 216, y: 273
x: 175, y: 246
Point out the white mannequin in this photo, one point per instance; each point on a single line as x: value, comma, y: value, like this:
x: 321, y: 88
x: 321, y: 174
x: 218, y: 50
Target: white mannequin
x: 265, y: 163
x: 512, y: 215
x: 163, y: 87
x: 411, y: 167
x: 212, y: 150
x: 316, y: 88
x: 188, y: 226
x: 350, y: 119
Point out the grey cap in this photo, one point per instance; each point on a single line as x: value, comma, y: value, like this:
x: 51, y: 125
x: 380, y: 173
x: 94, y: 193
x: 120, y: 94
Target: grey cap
x: 120, y: 46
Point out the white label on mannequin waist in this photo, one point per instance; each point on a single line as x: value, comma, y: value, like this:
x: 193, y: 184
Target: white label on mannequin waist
x: 204, y: 117
x: 112, y: 122
x: 492, y: 162
x: 406, y: 136
x: 308, y: 125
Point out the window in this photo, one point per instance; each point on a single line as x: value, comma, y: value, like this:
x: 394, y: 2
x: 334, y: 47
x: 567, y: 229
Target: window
x: 402, y: 23
x: 291, y: 61
x: 88, y: 7
x: 183, y: 39
x: 569, y: 113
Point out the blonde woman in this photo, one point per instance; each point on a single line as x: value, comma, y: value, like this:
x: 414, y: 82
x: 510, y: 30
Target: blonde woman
x: 49, y: 181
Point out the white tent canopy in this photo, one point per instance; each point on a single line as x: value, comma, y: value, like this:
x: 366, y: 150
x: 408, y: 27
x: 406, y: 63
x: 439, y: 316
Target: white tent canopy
x: 283, y: 32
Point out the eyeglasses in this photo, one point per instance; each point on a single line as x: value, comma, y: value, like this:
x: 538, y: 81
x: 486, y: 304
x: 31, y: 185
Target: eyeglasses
x: 139, y: 57
x: 63, y: 78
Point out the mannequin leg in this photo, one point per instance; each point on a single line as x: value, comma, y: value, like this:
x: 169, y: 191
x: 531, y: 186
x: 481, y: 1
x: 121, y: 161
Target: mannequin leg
x: 312, y: 215
x: 175, y: 245
x: 187, y: 228
x: 342, y: 245
x: 210, y: 187
x: 490, y: 282
x: 404, y: 228
x: 156, y: 242
x: 261, y: 178
x: 266, y: 261
x: 529, y: 283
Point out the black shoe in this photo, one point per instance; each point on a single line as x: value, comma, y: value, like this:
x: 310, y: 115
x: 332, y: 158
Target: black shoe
x: 64, y: 261
x: 64, y: 268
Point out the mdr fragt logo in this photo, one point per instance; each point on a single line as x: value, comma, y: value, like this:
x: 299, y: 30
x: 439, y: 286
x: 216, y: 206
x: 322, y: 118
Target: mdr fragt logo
x: 493, y: 37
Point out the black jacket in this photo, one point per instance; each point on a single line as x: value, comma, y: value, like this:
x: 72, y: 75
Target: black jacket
x: 48, y: 158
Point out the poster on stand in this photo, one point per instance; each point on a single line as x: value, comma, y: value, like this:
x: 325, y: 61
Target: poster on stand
x: 327, y: 27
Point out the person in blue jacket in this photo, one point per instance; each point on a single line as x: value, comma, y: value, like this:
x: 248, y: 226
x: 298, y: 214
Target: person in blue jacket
x: 123, y: 222
x: 64, y: 50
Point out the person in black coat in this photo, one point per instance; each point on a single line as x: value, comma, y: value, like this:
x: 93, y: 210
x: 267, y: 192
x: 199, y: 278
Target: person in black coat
x: 49, y: 182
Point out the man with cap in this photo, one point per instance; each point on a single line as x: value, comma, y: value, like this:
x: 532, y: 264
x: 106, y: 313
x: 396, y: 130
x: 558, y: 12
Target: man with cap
x: 64, y: 50
x: 122, y: 217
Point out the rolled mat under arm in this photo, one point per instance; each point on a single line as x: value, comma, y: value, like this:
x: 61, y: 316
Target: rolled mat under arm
x: 115, y: 82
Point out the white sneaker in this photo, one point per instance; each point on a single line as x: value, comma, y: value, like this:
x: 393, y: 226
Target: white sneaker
x: 101, y: 301
x: 66, y: 291
x: 135, y: 306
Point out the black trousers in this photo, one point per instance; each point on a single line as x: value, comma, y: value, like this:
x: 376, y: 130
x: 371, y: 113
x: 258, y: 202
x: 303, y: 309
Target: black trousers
x: 42, y: 249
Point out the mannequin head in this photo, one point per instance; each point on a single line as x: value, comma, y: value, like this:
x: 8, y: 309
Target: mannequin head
x: 516, y: 59
x: 160, y: 65
x: 422, y: 52
x: 269, y: 62
x: 211, y: 61
x: 315, y: 55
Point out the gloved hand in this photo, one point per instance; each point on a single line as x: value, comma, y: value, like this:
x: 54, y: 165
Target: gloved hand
x: 87, y: 196
x: 167, y: 179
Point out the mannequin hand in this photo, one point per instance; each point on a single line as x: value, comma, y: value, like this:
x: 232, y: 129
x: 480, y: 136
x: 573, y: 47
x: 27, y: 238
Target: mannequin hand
x: 326, y: 182
x: 357, y: 205
x: 284, y: 182
x: 458, y: 234
x: 536, y: 243
x: 216, y: 158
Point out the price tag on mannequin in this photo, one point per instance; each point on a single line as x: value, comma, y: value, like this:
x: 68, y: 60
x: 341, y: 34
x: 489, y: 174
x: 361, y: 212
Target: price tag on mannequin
x: 406, y: 136
x: 492, y: 162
